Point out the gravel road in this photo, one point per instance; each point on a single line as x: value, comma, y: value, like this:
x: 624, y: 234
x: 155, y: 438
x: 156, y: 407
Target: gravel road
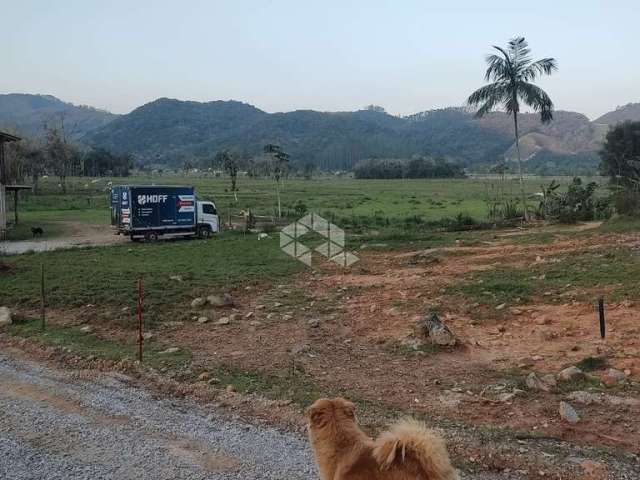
x: 55, y: 426
x: 60, y: 425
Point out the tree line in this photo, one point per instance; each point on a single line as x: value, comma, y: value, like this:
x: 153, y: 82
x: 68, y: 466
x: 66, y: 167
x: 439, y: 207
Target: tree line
x: 56, y: 155
x: 415, y: 167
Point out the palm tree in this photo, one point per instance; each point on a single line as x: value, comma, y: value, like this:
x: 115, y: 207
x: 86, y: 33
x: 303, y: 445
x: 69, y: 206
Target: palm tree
x: 512, y: 72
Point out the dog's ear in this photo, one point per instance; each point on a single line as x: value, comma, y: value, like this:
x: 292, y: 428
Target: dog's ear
x: 348, y: 408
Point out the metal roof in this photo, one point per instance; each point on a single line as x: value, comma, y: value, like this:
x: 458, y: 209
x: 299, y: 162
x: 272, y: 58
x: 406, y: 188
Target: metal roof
x: 15, y: 188
x: 7, y: 137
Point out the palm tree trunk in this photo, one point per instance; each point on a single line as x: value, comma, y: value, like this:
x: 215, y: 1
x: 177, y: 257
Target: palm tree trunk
x: 522, y: 193
x: 278, y: 195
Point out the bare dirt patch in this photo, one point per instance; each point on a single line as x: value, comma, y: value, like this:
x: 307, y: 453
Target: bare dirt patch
x: 361, y: 318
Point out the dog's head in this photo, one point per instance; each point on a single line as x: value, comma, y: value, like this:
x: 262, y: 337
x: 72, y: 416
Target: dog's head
x: 328, y: 412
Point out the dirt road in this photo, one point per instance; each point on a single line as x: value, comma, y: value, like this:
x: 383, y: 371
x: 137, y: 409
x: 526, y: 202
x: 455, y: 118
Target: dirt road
x: 79, y: 235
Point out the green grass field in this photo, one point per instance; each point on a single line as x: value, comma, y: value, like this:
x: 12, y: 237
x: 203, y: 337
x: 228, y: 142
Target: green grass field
x: 346, y: 200
x: 107, y: 276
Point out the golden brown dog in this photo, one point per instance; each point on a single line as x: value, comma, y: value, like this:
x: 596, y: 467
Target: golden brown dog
x: 407, y: 451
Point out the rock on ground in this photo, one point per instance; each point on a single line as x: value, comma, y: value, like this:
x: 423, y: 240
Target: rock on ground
x: 546, y: 383
x: 568, y: 413
x: 198, y: 302
x: 5, y: 316
x: 436, y: 331
x: 571, y: 374
x: 225, y: 300
x: 613, y: 377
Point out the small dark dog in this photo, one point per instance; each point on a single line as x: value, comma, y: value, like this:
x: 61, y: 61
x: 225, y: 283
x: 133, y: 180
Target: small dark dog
x: 35, y: 231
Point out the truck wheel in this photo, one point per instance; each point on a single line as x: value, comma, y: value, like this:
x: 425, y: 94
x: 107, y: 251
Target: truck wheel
x: 204, y: 232
x: 151, y: 236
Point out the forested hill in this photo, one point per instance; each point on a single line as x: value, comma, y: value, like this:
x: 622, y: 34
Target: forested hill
x: 27, y: 115
x: 171, y: 131
x: 168, y: 131
x: 630, y: 111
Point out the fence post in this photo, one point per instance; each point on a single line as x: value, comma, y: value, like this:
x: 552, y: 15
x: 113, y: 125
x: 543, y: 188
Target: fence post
x: 140, y: 322
x: 42, y: 314
x: 603, y: 325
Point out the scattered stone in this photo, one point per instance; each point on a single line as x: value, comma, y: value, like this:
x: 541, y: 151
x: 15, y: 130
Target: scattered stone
x: 255, y: 323
x: 85, y: 329
x: 203, y: 319
x: 198, y: 302
x: 204, y: 376
x: 613, y: 377
x: 432, y: 328
x: 223, y: 321
x: 313, y: 323
x: 615, y: 401
x: 231, y: 388
x: 594, y: 470
x: 124, y: 309
x: 5, y: 316
x: 425, y: 257
x: 585, y: 398
x: 537, y: 358
x: 286, y: 318
x: 506, y: 397
x: 412, y: 342
x: 215, y: 301
x: 515, y: 311
x: 373, y: 308
x: 549, y: 380
x: 174, y: 323
x: 501, y: 306
x: 277, y: 304
x: 451, y: 399
x: 214, y: 381
x: 568, y: 413
x: 546, y: 383
x: 147, y: 335
x: 249, y: 315
x: 176, y: 278
x: 571, y: 374
x: 234, y: 317
x: 543, y: 320
x: 170, y: 350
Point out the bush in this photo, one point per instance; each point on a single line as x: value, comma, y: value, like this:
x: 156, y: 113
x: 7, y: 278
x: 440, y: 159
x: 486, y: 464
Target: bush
x: 578, y: 203
x: 627, y: 202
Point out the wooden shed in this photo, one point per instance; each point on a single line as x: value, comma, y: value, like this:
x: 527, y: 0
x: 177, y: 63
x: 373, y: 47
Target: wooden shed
x: 4, y: 138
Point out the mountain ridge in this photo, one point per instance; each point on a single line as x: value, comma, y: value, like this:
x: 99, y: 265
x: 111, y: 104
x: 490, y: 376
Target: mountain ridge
x: 27, y: 114
x: 170, y: 131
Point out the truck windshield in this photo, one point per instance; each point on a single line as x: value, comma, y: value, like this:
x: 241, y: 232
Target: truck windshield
x: 208, y: 208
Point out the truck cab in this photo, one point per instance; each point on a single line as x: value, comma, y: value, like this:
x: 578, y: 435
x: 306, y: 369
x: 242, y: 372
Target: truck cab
x: 208, y: 220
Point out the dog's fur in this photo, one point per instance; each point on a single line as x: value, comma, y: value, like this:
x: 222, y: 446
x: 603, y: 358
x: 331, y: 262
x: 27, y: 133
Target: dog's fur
x: 35, y: 231
x: 407, y: 451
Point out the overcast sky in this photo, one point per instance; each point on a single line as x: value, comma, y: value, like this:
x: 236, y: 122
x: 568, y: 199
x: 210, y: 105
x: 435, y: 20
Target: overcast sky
x: 281, y: 55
